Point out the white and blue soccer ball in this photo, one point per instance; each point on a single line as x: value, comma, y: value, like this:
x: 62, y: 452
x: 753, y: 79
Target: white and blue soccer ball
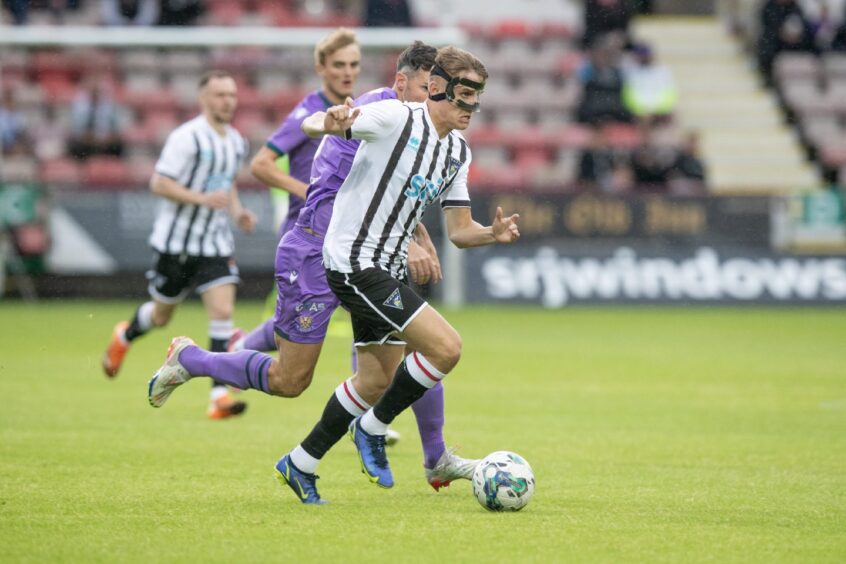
x: 503, y: 481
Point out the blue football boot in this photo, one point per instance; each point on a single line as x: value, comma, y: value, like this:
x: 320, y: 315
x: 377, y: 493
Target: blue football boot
x: 303, y: 484
x: 371, y: 453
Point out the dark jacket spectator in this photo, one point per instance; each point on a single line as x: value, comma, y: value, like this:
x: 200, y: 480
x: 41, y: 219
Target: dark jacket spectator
x: 602, y: 97
x: 783, y: 28
x: 602, y: 168
x: 129, y: 12
x: 387, y: 13
x: 180, y: 12
x: 652, y: 168
x: 95, y: 126
x: 605, y: 16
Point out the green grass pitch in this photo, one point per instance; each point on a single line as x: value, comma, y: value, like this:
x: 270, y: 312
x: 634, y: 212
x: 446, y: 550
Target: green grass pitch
x: 656, y: 435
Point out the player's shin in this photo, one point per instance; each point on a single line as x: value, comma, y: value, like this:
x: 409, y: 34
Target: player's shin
x: 429, y: 412
x: 141, y: 322
x: 243, y: 370
x: 413, y: 378
x: 343, y: 406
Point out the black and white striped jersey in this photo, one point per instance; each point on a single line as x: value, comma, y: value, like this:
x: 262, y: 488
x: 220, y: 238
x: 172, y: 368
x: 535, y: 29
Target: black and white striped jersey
x: 400, y: 168
x: 202, y: 161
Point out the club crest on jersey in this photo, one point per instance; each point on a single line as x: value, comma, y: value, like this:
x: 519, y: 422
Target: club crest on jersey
x: 452, y: 168
x: 394, y: 300
x: 413, y: 143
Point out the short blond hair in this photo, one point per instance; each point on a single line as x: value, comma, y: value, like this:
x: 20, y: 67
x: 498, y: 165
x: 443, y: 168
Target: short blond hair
x: 338, y: 39
x: 455, y: 61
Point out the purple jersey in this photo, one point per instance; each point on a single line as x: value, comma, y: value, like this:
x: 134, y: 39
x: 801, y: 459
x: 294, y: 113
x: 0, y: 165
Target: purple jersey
x: 290, y: 140
x: 331, y: 166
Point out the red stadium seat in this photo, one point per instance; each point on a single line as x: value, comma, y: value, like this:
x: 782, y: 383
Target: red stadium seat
x: 101, y: 171
x: 572, y: 136
x: 624, y: 136
x: 58, y: 88
x: 833, y: 153
x: 60, y: 172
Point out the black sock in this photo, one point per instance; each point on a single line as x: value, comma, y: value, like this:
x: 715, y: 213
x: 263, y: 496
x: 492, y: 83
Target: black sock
x: 329, y: 430
x: 399, y: 396
x: 134, y: 330
x: 216, y: 346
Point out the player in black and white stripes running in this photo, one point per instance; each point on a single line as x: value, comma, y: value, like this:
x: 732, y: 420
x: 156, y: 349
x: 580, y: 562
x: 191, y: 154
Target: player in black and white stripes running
x: 192, y: 240
x: 411, y: 155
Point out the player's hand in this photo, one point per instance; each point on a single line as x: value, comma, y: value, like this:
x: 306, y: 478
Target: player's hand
x: 247, y: 221
x: 505, y: 229
x: 340, y: 118
x: 423, y: 267
x: 218, y: 199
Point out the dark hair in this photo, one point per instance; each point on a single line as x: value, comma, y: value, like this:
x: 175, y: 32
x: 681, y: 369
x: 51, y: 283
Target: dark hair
x: 208, y: 75
x: 418, y: 56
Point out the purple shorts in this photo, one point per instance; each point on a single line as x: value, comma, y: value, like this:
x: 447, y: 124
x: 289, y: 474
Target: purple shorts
x: 304, y: 301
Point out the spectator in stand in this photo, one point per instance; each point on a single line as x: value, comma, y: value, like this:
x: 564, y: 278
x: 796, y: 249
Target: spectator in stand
x: 387, y: 13
x: 822, y: 26
x: 652, y: 166
x: 688, y: 174
x: 603, y: 17
x: 180, y: 12
x: 95, y: 129
x: 649, y: 91
x: 13, y: 134
x: 783, y: 28
x: 839, y: 41
x: 19, y: 10
x: 602, y: 168
x: 135, y: 13
x: 602, y: 78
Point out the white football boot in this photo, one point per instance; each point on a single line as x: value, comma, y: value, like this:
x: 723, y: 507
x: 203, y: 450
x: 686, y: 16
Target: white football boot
x: 450, y: 467
x: 171, y: 375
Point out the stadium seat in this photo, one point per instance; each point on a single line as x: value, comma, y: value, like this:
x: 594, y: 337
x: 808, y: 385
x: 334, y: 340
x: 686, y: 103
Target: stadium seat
x: 57, y: 88
x: 60, y: 172
x: 818, y: 129
x: 624, y: 136
x: 832, y: 152
x: 225, y: 13
x: 134, y: 61
x: 140, y: 170
x: 18, y: 169
x: 101, y: 171
x: 790, y: 66
x: 834, y: 65
x: 570, y: 136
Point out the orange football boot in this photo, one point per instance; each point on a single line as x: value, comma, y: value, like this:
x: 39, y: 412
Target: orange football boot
x: 116, y: 350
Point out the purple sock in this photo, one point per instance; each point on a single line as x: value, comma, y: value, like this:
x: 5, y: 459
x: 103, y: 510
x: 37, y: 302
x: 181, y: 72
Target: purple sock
x: 244, y: 369
x: 354, y: 358
x: 262, y: 338
x: 429, y: 411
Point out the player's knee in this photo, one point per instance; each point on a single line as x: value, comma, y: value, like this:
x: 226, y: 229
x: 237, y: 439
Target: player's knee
x: 288, y: 383
x: 451, y: 353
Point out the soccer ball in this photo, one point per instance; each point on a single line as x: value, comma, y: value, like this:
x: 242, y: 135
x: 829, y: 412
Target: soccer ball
x: 503, y: 481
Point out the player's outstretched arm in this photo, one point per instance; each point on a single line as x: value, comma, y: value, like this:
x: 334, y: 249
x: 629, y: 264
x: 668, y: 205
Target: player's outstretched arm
x: 334, y: 121
x: 263, y: 167
x: 464, y: 232
x: 169, y: 188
